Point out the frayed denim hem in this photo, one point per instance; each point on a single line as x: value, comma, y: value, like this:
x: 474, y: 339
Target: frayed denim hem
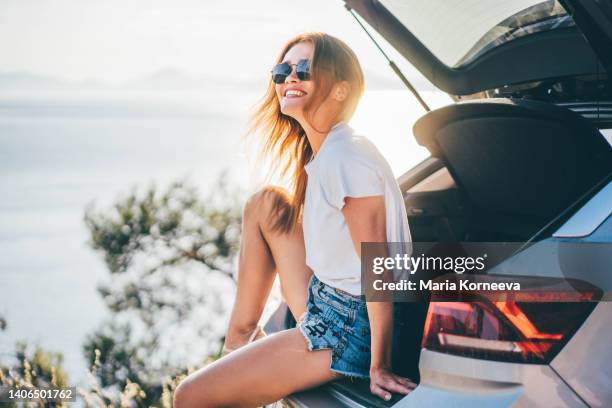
x: 311, y: 347
x: 301, y: 329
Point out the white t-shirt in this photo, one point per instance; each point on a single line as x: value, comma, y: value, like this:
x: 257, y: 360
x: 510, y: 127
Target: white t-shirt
x: 346, y: 165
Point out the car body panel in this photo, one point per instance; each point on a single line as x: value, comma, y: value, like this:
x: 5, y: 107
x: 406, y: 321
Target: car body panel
x: 585, y: 363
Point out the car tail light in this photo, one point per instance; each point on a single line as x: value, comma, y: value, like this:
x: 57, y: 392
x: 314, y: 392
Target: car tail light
x: 527, y: 328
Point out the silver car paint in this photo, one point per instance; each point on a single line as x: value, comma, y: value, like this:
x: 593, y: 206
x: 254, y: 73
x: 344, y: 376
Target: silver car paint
x: 585, y: 362
x: 453, y: 381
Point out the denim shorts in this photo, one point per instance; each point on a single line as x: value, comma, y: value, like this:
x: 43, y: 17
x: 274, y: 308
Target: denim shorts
x: 338, y: 320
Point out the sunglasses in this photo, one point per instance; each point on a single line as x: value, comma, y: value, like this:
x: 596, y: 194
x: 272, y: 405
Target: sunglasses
x: 281, y: 71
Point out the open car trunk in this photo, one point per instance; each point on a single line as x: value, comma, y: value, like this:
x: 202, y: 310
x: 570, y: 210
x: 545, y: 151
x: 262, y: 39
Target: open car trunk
x: 511, y: 168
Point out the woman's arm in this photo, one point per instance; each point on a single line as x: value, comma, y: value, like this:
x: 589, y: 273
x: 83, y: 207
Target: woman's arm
x: 365, y: 217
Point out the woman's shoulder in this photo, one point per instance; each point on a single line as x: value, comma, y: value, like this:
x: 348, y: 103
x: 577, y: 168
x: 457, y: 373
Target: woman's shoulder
x: 353, y: 148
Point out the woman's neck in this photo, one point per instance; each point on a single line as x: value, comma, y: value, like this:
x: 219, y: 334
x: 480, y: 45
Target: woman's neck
x: 318, y: 131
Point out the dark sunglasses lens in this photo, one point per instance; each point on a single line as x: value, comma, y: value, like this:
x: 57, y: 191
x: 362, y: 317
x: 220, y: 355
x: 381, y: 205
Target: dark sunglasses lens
x: 280, y: 72
x: 303, y: 70
x: 278, y: 78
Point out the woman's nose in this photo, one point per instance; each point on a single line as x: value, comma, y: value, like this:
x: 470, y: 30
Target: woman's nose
x: 292, y: 77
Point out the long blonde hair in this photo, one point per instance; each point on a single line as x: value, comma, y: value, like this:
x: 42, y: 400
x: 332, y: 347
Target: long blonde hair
x: 285, y: 141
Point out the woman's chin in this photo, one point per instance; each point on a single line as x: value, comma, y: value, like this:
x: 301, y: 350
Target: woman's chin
x: 292, y: 109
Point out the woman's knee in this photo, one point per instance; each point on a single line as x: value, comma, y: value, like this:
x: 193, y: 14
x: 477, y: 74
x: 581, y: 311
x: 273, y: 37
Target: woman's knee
x: 194, y: 394
x: 267, y: 203
x: 183, y: 397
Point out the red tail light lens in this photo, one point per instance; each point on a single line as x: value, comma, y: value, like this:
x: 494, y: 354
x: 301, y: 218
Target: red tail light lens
x: 531, y: 328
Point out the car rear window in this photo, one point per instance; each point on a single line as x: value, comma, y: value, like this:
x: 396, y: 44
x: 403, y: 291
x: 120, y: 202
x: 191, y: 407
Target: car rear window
x: 457, y: 32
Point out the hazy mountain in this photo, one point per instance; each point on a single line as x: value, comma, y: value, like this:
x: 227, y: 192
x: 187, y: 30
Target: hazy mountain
x: 168, y: 79
x: 163, y: 79
x: 27, y: 81
x: 18, y: 80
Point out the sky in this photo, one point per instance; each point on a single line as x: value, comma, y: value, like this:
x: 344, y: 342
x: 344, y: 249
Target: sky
x: 117, y: 41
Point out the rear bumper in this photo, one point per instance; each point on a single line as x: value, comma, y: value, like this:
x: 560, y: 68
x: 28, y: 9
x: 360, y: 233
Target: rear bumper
x: 453, y: 381
x: 430, y: 396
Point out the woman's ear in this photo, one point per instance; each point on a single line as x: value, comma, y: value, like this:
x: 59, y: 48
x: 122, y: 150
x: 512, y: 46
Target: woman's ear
x: 341, y: 91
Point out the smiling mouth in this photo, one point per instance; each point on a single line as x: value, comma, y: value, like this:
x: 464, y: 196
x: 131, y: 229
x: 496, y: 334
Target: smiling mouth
x: 294, y: 93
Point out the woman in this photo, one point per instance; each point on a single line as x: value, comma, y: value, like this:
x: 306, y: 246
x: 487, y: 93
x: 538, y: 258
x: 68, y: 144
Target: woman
x: 344, y: 193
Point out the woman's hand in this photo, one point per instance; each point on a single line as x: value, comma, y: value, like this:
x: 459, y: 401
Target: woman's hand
x: 383, y: 382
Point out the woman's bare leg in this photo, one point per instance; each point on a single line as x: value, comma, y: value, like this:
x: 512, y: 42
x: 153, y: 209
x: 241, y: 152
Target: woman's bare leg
x: 279, y: 364
x: 263, y: 253
x: 259, y: 373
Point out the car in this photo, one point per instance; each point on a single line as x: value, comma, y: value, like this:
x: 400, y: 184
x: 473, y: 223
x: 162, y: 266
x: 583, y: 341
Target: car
x: 524, y: 155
